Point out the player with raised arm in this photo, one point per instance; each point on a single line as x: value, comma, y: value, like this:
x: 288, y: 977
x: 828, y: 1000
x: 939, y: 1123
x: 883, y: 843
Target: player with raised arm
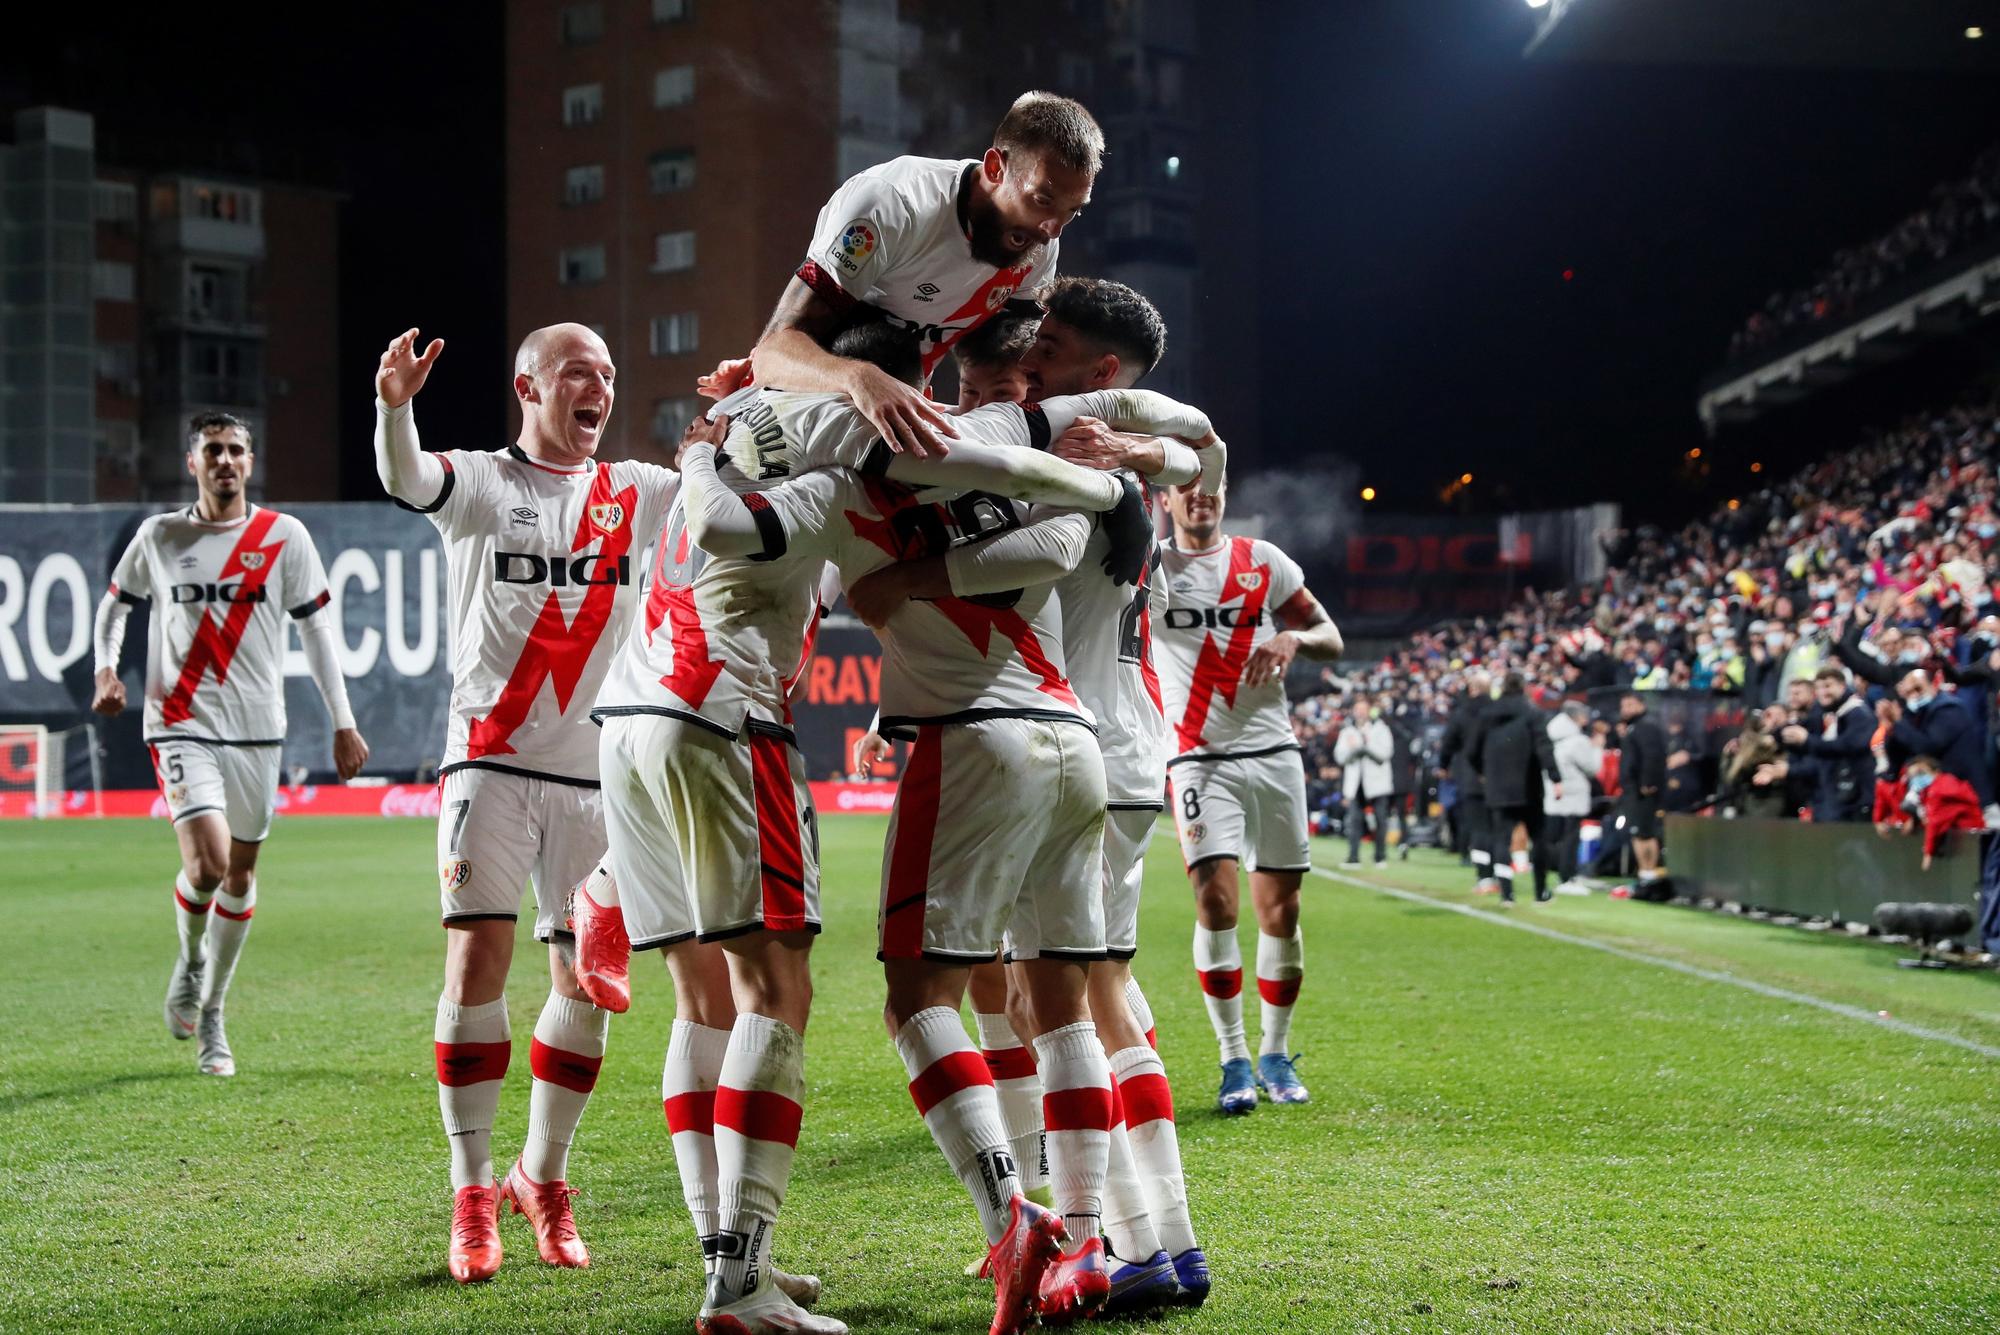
x: 937, y: 245
x: 539, y: 546
x: 223, y: 575
x: 1240, y: 612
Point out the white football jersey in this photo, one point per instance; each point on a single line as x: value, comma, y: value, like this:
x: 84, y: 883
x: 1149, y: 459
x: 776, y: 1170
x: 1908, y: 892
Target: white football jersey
x: 1221, y: 606
x: 544, y: 579
x: 895, y: 238
x: 1108, y: 649
x: 949, y: 661
x: 215, y: 643
x: 721, y: 640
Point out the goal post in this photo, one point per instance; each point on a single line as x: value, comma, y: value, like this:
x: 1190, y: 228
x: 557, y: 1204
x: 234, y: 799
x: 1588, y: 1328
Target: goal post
x: 32, y: 774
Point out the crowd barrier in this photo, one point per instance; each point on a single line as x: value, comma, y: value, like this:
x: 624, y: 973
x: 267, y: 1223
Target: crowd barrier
x: 1816, y: 870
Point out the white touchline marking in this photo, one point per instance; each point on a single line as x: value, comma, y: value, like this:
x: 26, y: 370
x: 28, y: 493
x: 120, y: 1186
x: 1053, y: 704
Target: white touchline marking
x: 1691, y: 970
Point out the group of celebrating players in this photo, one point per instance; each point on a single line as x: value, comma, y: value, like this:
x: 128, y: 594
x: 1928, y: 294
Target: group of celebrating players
x: 1006, y: 557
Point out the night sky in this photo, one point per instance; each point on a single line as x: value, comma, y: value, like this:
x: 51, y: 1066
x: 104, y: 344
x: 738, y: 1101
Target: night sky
x: 1431, y: 191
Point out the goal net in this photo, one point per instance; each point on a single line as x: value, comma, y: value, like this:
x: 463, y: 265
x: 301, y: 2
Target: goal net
x: 33, y: 773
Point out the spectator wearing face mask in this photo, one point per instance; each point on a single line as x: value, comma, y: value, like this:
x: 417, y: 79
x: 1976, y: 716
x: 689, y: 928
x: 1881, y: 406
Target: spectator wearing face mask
x: 1941, y: 802
x: 1832, y: 749
x: 1927, y: 723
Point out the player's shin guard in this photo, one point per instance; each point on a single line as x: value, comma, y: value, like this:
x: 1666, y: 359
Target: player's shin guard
x: 1219, y: 961
x: 1149, y: 1125
x: 473, y: 1045
x: 228, y: 926
x: 693, y: 1069
x: 1142, y: 1011
x: 191, y: 908
x: 953, y: 1092
x: 1128, y: 1222
x: 565, y: 1054
x: 756, y: 1134
x: 1018, y: 1087
x: 1280, y: 967
x: 1076, y: 1113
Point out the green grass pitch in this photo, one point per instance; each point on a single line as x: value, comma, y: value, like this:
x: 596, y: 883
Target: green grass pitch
x: 1507, y: 1132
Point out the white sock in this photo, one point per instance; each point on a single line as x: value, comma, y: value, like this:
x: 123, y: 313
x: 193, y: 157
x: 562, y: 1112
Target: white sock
x: 191, y: 918
x: 1018, y: 1087
x: 1149, y: 1125
x: 473, y: 1045
x: 756, y: 1135
x: 1076, y: 1115
x: 1280, y: 965
x: 687, y: 1095
x: 1142, y: 1011
x: 602, y: 886
x: 565, y: 1054
x: 1219, y: 960
x: 953, y: 1092
x: 1127, y: 1222
x: 228, y: 924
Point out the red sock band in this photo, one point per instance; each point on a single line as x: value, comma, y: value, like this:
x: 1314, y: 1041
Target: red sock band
x: 571, y: 1070
x: 471, y: 1063
x: 946, y: 1076
x: 1009, y: 1063
x: 1084, y: 1109
x: 1147, y: 1098
x: 758, y: 1114
x: 1222, y: 984
x: 1279, y: 991
x: 693, y: 1111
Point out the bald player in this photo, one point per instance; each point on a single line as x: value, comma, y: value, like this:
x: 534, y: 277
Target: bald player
x: 542, y: 544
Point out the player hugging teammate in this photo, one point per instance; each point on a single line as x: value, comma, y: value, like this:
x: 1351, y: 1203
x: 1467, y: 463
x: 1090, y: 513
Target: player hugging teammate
x: 628, y: 753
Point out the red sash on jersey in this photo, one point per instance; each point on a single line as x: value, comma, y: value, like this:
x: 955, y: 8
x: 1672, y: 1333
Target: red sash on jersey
x: 1222, y: 673
x: 215, y: 646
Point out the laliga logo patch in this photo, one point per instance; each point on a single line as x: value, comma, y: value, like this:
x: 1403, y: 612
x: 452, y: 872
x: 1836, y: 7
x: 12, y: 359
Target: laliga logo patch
x: 857, y: 243
x: 453, y: 875
x: 1250, y: 580
x: 176, y: 795
x: 608, y: 516
x: 251, y: 560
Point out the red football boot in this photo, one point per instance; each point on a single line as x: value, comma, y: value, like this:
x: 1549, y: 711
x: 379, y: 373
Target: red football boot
x: 475, y: 1234
x: 1075, y: 1286
x: 1033, y: 1240
x: 547, y: 1206
x: 603, y: 950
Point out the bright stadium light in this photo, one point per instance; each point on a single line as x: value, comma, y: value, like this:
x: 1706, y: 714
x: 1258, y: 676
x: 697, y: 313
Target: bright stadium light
x: 1368, y: 493
x: 1975, y: 33
x: 1538, y: 4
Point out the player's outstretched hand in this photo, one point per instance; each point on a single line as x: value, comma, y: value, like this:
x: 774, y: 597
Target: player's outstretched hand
x: 1091, y: 443
x: 1130, y: 531
x: 909, y: 422
x: 869, y: 748
x: 1270, y: 660
x: 875, y: 597
x: 730, y: 374
x: 404, y: 369
x: 350, y: 753
x: 109, y: 699
x: 703, y: 430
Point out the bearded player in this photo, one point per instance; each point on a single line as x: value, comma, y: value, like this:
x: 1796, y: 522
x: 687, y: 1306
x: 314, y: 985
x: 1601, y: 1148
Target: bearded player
x: 223, y: 574
x: 541, y: 545
x: 1239, y: 614
x: 936, y: 245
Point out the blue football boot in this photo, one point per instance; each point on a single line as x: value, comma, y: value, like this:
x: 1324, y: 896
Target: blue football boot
x: 1239, y: 1088
x: 1280, y: 1082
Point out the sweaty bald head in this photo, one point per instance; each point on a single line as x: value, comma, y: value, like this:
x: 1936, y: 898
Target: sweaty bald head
x: 564, y: 381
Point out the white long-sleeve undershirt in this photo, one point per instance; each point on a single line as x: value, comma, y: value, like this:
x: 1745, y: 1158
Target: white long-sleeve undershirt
x: 1045, y: 549
x: 107, y: 635
x: 407, y: 473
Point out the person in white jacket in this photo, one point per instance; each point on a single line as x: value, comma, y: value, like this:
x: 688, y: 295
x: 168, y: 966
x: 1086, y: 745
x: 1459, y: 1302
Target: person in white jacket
x: 1578, y: 757
x: 1364, y: 751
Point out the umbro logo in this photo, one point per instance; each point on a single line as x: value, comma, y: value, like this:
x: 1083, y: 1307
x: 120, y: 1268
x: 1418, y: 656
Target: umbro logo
x: 925, y: 291
x: 523, y: 515
x: 187, y: 563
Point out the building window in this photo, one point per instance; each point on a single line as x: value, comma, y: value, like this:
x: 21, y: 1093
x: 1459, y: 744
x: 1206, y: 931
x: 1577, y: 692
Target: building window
x: 583, y: 185
x: 111, y: 280
x: 223, y: 204
x: 216, y: 292
x: 673, y: 251
x: 583, y: 104
x: 118, y: 362
x: 581, y: 264
x: 674, y: 86
x: 671, y: 416
x: 582, y: 23
x: 670, y: 171
x: 673, y: 335
x: 115, y: 202
x: 672, y: 11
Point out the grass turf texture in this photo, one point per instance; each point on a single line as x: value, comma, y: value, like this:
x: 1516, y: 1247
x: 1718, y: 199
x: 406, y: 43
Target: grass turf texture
x: 1506, y: 1133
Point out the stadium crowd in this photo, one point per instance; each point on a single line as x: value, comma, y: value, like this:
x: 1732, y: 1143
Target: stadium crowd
x: 1958, y: 214
x: 1799, y: 648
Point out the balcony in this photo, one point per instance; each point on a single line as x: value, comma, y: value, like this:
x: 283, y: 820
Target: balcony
x: 207, y: 236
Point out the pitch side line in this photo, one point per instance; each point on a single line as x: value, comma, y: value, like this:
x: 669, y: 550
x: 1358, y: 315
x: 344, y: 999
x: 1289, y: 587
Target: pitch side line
x: 1661, y: 961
